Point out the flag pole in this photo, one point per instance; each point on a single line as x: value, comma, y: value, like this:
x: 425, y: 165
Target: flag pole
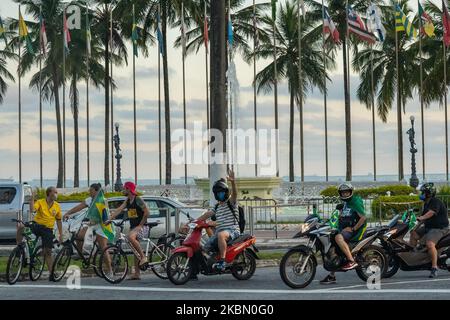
x: 112, y: 95
x: 300, y: 81
x: 399, y: 110
x: 40, y: 100
x: 184, y: 89
x: 421, y: 96
x: 254, y: 90
x: 207, y: 81
x: 20, y: 108
x: 445, y: 108
x: 87, y: 97
x: 159, y: 105
x: 325, y: 94
x: 64, y: 98
x: 275, y: 85
x: 372, y: 90
x: 134, y: 109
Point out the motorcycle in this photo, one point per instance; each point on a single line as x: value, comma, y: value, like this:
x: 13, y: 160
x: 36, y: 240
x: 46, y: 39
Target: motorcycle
x: 191, y: 257
x: 401, y: 255
x: 298, y: 266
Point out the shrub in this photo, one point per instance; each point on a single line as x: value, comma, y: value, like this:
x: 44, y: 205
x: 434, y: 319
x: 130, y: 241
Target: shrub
x: 444, y: 191
x: 78, y: 196
x: 389, y: 206
x: 396, y: 190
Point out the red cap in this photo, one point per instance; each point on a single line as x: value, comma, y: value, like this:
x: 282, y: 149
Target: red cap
x: 130, y: 186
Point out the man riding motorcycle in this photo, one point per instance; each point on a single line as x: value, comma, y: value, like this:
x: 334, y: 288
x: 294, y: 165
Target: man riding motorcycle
x: 226, y: 213
x: 351, y: 226
x: 435, y: 219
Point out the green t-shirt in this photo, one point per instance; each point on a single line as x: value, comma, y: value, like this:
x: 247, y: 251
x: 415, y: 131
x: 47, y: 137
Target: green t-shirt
x: 351, y: 212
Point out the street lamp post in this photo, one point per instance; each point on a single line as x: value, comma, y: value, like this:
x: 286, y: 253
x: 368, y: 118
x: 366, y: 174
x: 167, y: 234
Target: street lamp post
x: 414, y: 181
x: 118, y: 186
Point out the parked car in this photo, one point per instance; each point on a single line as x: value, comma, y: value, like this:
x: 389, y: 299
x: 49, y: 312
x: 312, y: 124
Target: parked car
x: 14, y: 203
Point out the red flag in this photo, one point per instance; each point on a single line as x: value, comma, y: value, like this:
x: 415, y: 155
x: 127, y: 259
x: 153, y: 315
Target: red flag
x: 66, y: 32
x: 446, y: 23
x: 205, y: 32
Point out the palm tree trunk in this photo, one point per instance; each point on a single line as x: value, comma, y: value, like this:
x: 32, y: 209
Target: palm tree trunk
x: 59, y: 183
x: 76, y: 172
x: 107, y: 123
x: 348, y: 123
x: 166, y: 95
x: 291, y: 137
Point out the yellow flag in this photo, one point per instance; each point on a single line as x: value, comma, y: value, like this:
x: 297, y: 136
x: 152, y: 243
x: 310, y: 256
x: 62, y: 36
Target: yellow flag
x: 23, y: 30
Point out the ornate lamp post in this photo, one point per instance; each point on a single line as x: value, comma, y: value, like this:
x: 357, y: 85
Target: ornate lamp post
x: 118, y: 186
x: 414, y: 181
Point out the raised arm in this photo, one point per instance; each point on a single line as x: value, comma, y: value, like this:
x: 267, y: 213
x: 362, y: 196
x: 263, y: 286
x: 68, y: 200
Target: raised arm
x: 75, y: 209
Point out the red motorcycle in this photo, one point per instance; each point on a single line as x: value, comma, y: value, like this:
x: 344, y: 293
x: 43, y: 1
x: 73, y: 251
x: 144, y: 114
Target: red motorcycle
x: 190, y: 257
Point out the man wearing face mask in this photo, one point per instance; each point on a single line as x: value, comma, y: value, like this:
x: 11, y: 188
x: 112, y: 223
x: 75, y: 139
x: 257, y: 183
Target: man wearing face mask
x: 226, y: 212
x: 435, y: 223
x: 48, y: 212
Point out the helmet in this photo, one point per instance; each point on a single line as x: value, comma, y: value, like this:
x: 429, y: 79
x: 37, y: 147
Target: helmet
x: 346, y: 186
x: 220, y: 190
x: 428, y: 189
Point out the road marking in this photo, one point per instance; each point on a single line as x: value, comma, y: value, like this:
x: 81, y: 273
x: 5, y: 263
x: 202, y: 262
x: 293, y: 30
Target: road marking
x: 391, y: 283
x: 242, y: 291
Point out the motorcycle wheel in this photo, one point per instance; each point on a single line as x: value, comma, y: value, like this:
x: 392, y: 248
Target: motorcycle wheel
x: 179, y: 268
x: 371, y: 260
x: 391, y: 268
x: 291, y: 264
x: 244, y: 266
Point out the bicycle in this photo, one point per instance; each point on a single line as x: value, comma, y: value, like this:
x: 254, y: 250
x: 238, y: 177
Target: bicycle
x: 27, y: 253
x: 63, y: 258
x: 157, y: 257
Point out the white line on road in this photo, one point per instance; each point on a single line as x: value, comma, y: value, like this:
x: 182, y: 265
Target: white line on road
x: 392, y: 283
x: 246, y: 291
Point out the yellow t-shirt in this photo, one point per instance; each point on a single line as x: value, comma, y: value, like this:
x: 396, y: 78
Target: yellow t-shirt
x: 47, y: 216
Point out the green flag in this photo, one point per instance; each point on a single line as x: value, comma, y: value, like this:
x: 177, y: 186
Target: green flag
x: 357, y: 204
x: 98, y: 212
x: 334, y: 220
x: 274, y: 9
x: 412, y: 219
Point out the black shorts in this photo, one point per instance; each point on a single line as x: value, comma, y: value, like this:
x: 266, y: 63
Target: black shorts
x: 44, y: 233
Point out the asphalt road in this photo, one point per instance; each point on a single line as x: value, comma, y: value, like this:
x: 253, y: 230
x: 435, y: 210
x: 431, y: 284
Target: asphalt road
x: 266, y: 284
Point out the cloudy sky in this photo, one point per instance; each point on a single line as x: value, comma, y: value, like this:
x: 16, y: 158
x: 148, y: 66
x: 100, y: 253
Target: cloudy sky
x: 147, y: 107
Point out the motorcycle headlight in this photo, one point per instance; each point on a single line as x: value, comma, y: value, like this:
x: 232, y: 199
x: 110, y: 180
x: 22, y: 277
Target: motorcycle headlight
x: 305, y: 227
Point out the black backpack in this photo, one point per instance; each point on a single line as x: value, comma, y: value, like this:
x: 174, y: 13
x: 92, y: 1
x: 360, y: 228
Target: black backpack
x: 240, y: 219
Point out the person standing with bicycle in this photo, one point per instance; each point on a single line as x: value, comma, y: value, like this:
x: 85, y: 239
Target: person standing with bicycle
x: 47, y: 212
x: 137, y: 215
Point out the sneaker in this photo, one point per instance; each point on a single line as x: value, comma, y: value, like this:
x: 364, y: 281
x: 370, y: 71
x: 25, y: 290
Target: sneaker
x: 349, y: 265
x: 220, y: 265
x: 329, y: 279
x: 433, y: 273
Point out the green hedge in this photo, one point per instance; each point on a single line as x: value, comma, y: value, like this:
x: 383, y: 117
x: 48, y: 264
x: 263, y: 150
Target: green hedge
x: 396, y: 190
x: 394, y: 204
x: 79, y: 196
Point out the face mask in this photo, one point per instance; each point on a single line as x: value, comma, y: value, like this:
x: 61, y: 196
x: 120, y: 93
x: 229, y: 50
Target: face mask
x: 55, y: 197
x: 221, y: 196
x: 422, y: 197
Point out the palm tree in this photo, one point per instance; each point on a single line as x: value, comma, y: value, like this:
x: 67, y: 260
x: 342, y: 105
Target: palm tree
x: 52, y: 62
x: 5, y: 75
x: 385, y: 74
x: 288, y: 60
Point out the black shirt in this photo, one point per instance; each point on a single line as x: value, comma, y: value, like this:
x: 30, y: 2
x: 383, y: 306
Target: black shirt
x: 440, y: 218
x: 135, y: 211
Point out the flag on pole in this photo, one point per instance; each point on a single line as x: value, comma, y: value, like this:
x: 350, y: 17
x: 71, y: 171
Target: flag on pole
x: 43, y: 35
x: 23, y: 33
x: 230, y: 31
x: 357, y: 26
x: 402, y: 23
x: 160, y: 35
x: 2, y: 31
x: 330, y: 27
x: 183, y: 32
x: 88, y: 32
x: 205, y: 30
x: 374, y: 23
x: 427, y: 23
x: 135, y: 36
x: 66, y: 32
x: 98, y: 212
x: 446, y: 22
x: 274, y: 9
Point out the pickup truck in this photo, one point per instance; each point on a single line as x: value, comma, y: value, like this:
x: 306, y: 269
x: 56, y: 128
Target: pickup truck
x: 14, y: 203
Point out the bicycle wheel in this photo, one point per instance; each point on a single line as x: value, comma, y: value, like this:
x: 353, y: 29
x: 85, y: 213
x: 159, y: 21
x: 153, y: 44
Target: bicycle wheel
x: 15, y: 264
x: 36, y: 264
x: 113, y: 264
x: 160, y: 254
x: 96, y: 262
x: 61, y: 263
